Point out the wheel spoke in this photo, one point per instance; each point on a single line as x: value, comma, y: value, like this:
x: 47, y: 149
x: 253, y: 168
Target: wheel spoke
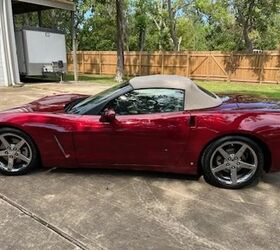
x: 233, y: 175
x: 4, y: 141
x: 220, y: 168
x: 223, y: 153
x: 247, y: 165
x: 10, y: 165
x: 241, y: 151
x: 23, y: 158
x: 234, y: 162
x: 15, y: 152
x: 3, y: 153
x: 20, y: 144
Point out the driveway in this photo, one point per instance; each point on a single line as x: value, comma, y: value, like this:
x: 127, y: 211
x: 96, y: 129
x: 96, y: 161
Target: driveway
x: 95, y: 209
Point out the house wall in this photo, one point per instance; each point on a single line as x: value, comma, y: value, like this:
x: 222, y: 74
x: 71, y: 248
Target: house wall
x: 9, y: 72
x: 1, y: 67
x: 2, y: 78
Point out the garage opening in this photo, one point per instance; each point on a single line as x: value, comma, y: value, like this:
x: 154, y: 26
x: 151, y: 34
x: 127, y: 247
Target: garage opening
x: 33, y: 41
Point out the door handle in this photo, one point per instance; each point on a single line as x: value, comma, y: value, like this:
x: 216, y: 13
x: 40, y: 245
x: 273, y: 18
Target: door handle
x: 192, y: 121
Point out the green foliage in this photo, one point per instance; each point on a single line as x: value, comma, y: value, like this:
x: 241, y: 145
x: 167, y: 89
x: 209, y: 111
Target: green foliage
x: 255, y: 19
x: 192, y: 33
x: 225, y: 25
x: 98, y: 31
x: 269, y: 39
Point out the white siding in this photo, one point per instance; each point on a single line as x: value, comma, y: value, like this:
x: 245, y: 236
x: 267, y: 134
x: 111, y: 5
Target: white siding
x: 1, y: 64
x: 8, y: 57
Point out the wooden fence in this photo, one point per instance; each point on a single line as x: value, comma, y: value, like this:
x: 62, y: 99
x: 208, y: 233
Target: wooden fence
x: 262, y: 68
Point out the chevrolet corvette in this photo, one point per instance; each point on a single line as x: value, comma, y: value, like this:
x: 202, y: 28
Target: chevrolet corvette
x: 152, y: 123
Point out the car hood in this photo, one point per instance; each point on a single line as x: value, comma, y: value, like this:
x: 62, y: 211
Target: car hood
x: 248, y: 102
x: 51, y: 104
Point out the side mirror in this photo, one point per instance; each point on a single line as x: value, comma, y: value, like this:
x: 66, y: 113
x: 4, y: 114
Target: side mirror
x: 109, y: 115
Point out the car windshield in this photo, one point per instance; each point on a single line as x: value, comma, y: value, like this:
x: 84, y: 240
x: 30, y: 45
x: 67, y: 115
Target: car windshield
x: 95, y: 100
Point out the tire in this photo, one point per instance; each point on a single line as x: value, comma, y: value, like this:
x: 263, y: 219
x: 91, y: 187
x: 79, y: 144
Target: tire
x: 18, y: 153
x: 232, y: 162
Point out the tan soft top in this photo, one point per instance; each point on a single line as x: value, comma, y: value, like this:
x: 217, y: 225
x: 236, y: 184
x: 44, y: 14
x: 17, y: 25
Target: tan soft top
x: 195, y: 98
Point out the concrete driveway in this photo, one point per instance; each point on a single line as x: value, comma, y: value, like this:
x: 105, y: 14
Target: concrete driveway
x: 95, y: 209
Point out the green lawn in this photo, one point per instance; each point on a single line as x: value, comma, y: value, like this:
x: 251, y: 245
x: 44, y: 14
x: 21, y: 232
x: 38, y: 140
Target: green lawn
x: 93, y: 78
x: 264, y: 90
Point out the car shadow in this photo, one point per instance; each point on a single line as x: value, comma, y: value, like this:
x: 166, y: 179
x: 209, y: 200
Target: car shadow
x: 116, y: 172
x: 272, y: 179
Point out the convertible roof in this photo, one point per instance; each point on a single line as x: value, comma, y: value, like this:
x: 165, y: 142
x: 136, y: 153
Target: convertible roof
x: 195, y: 97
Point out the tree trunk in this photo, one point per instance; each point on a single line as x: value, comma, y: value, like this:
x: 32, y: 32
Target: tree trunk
x: 245, y: 20
x: 120, y: 40
x: 39, y: 18
x: 53, y: 19
x: 172, y: 27
x: 142, y: 38
x: 247, y: 40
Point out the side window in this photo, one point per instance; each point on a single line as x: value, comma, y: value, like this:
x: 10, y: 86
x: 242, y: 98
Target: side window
x: 148, y: 101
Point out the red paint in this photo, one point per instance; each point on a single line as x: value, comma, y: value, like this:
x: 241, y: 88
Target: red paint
x: 52, y: 104
x: 162, y: 142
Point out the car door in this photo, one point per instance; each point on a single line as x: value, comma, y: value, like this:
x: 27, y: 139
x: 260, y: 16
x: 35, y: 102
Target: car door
x: 150, y: 129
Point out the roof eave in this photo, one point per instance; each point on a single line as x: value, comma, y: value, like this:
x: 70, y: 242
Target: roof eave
x: 57, y: 4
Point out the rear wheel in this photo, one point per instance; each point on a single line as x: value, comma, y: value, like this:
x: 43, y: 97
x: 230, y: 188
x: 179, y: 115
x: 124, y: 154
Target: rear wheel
x: 232, y: 162
x: 18, y: 153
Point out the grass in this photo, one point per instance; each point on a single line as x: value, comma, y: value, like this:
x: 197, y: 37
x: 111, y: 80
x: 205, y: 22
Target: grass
x: 271, y: 91
x: 93, y: 78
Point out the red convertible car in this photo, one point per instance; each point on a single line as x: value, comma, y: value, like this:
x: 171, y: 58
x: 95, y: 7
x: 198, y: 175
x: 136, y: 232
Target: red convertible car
x: 157, y: 123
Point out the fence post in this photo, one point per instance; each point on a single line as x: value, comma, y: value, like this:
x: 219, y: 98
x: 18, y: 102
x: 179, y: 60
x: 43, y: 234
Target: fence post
x: 261, y: 66
x: 140, y: 63
x: 74, y: 47
x: 188, y: 64
x: 230, y: 67
x: 100, y: 63
x: 207, y: 65
x: 162, y: 62
x: 278, y: 71
x: 278, y: 66
x: 83, y: 62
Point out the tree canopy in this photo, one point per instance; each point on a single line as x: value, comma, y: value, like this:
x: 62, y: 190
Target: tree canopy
x: 170, y: 25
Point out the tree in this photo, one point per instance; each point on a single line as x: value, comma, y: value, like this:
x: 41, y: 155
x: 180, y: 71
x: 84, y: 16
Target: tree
x: 97, y: 31
x: 157, y: 14
x: 141, y: 21
x: 175, y: 7
x: 167, y: 25
x: 172, y: 26
x: 253, y: 15
x: 120, y: 40
x: 220, y: 29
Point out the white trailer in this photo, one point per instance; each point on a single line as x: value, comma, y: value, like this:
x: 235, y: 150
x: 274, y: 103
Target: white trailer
x: 41, y: 52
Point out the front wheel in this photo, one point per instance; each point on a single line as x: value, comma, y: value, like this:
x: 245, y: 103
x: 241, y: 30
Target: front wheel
x: 232, y: 162
x: 18, y: 153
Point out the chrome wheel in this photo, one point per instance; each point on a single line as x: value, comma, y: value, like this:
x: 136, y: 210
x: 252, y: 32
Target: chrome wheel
x: 15, y: 153
x: 234, y: 163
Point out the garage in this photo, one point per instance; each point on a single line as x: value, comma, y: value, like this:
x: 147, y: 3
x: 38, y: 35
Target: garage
x: 9, y: 67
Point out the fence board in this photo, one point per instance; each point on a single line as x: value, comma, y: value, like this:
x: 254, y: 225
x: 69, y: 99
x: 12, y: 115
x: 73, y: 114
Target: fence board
x: 214, y: 65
